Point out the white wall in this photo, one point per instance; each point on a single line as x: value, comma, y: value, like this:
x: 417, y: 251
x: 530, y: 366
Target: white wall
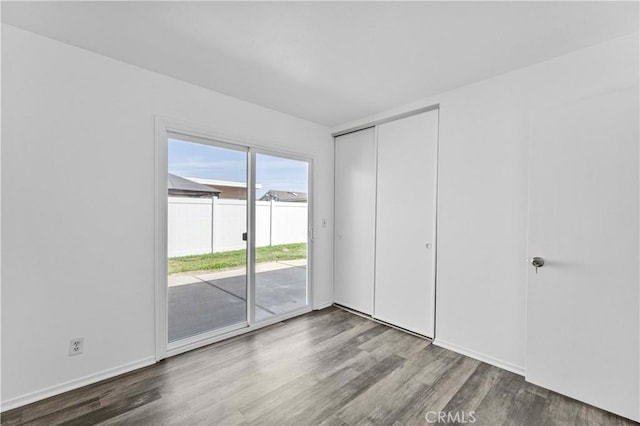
x: 482, y: 215
x: 78, y: 129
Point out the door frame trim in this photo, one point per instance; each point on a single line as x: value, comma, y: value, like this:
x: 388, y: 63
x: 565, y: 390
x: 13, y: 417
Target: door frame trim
x: 163, y: 127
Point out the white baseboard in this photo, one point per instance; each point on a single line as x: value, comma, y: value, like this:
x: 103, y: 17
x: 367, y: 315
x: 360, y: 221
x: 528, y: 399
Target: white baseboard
x: 481, y: 357
x: 318, y: 306
x: 74, y: 384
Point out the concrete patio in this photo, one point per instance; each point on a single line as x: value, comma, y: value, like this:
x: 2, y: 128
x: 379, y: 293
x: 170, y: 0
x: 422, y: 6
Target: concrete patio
x: 204, y: 301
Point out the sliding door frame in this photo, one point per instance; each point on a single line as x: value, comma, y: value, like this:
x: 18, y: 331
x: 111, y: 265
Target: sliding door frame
x: 164, y: 128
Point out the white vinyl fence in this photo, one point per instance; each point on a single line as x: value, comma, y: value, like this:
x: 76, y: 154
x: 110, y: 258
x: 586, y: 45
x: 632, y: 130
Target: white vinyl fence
x: 206, y: 225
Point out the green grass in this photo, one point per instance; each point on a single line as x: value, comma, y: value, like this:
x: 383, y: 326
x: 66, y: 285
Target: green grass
x: 230, y: 259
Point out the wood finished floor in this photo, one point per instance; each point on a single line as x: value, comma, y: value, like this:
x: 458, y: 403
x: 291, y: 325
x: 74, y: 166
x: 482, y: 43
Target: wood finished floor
x: 328, y: 367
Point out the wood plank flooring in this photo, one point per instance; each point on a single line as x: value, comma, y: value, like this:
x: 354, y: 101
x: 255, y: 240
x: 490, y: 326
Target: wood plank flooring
x: 328, y: 367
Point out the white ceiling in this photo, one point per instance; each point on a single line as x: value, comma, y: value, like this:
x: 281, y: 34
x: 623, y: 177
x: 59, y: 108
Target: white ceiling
x: 328, y: 62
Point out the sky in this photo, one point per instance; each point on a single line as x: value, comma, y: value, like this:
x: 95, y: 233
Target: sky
x: 188, y: 159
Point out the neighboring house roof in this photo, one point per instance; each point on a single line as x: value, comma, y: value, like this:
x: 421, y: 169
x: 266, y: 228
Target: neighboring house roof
x: 284, y: 196
x: 180, y: 186
x: 214, y: 182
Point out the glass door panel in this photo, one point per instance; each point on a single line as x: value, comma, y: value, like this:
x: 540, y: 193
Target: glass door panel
x: 281, y: 234
x: 206, y: 244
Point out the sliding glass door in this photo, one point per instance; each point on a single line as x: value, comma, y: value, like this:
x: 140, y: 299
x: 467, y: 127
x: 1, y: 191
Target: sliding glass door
x: 207, y: 254
x: 281, y: 235
x: 237, y: 238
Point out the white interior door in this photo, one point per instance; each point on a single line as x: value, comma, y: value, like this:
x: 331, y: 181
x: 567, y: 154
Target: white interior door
x: 583, y: 304
x: 355, y: 180
x: 406, y: 222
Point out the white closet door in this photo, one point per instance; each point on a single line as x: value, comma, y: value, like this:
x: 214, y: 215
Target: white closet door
x: 355, y: 179
x: 406, y: 214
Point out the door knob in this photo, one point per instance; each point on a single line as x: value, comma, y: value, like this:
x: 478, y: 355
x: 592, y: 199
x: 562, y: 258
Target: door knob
x: 537, y: 262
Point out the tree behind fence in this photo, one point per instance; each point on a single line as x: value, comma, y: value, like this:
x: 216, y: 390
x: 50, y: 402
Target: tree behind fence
x: 205, y: 225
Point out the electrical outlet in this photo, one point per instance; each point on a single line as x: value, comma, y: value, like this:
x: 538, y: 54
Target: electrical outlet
x: 76, y: 346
